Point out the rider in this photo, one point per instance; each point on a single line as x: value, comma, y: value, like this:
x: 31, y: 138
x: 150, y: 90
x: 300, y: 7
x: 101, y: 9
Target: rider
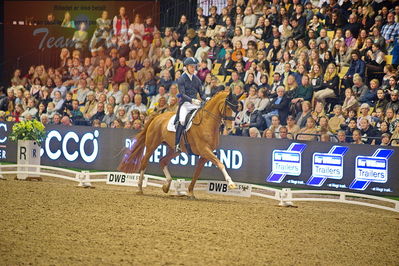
x: 189, y: 87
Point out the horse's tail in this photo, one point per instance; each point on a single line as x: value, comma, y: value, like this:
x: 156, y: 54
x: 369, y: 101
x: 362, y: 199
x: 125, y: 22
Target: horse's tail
x: 133, y: 156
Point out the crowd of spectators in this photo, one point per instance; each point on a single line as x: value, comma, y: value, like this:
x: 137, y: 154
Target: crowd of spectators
x: 311, y: 70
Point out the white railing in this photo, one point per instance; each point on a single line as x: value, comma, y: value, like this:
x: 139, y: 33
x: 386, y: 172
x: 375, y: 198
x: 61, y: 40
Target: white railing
x: 285, y: 196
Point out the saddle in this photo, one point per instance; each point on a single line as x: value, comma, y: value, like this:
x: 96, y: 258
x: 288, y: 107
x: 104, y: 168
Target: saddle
x: 187, y: 125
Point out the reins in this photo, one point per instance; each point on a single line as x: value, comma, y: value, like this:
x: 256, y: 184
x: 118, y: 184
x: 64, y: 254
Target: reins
x: 216, y: 117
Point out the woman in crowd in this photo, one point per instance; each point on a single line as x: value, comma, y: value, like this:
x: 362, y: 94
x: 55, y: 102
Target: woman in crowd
x: 309, y: 132
x: 329, y: 86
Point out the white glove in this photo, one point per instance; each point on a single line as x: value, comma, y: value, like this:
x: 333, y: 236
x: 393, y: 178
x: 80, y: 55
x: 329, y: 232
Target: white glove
x: 196, y: 102
x: 207, y: 99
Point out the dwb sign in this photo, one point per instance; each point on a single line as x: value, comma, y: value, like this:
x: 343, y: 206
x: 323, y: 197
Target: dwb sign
x: 123, y: 179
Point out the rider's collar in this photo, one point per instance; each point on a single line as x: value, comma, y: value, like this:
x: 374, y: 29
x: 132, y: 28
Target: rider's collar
x: 190, y: 76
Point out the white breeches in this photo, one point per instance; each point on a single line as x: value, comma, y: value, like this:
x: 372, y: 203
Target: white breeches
x: 185, y: 108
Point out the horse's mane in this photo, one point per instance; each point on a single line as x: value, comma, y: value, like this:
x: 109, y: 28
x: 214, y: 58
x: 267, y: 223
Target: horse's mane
x: 216, y: 96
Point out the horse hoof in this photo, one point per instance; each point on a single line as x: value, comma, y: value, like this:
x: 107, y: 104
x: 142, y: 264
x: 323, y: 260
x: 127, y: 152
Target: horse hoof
x: 140, y: 192
x: 191, y: 197
x: 232, y: 186
x: 166, y: 187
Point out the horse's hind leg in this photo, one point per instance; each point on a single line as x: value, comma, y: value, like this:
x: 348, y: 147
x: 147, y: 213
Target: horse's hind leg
x: 143, y: 165
x: 164, y: 165
x: 197, y: 172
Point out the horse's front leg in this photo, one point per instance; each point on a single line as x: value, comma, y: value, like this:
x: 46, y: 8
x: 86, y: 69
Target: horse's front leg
x: 164, y: 165
x: 197, y: 172
x: 209, y: 155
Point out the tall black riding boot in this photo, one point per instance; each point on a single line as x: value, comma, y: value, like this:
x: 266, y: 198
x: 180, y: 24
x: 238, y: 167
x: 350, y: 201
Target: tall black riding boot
x: 179, y: 132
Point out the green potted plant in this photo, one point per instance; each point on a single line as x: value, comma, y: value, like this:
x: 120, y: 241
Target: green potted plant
x: 29, y: 135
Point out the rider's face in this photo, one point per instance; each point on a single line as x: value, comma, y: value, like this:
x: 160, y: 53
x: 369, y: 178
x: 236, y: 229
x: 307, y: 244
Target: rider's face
x: 191, y: 69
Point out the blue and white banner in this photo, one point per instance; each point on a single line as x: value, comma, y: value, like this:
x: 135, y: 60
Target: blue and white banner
x: 286, y: 162
x: 371, y: 169
x: 327, y: 165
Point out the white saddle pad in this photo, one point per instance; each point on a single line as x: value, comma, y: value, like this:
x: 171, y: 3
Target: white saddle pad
x: 171, y: 126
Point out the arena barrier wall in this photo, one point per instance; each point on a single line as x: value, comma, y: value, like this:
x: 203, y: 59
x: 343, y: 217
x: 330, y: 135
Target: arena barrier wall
x: 364, y: 169
x: 284, y: 196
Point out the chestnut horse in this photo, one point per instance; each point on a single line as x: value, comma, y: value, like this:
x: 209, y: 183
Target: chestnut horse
x: 203, y: 137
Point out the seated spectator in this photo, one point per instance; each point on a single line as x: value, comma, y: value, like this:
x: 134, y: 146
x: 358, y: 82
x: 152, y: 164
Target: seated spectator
x: 264, y: 100
x: 7, y: 104
x: 283, y: 133
x: 323, y: 127
x: 110, y: 115
x: 357, y: 66
x: 367, y: 131
x: 161, y: 106
x: 90, y: 107
x: 56, y: 119
x: 370, y: 94
x: 268, y: 134
x: 44, y: 119
x: 350, y: 102
x: 381, y: 101
x: 391, y: 119
x: 238, y: 120
x: 59, y: 87
x: 394, y: 102
x: 386, y: 139
x: 138, y: 105
x: 75, y: 114
x: 292, y: 127
x: 254, y: 132
x: 275, y: 126
x: 352, y: 125
x: 58, y: 102
x: 303, y: 93
x: 252, y: 118
x: 17, y: 113
x: 116, y: 93
x: 341, y: 136
x: 310, y: 128
x: 357, y: 137
x: 337, y: 120
x: 302, y: 117
x: 45, y: 97
x: 364, y: 112
x: 325, y: 137
x: 277, y: 82
x: 30, y: 109
x: 318, y: 111
x: 235, y: 80
x: 395, y: 136
x: 252, y: 97
x: 66, y: 121
x: 100, y: 113
x: 329, y: 87
x: 138, y: 125
x: 227, y: 65
x: 278, y: 106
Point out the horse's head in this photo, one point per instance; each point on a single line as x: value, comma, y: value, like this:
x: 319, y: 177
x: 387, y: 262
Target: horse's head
x: 230, y: 106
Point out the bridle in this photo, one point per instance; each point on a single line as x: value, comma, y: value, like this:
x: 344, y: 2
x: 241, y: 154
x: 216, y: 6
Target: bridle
x: 224, y: 111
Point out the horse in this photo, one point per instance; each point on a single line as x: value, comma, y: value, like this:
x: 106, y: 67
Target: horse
x: 203, y: 137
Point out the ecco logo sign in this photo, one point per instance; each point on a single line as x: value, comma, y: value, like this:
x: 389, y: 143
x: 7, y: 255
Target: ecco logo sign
x: 66, y: 141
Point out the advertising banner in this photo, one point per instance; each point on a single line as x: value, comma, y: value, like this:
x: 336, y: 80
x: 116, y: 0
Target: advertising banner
x: 35, y: 34
x: 283, y: 163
